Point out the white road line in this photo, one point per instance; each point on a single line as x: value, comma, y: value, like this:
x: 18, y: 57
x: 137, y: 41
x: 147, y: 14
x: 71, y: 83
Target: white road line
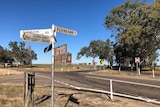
x: 43, y: 76
x: 62, y: 82
x: 58, y: 81
x: 72, y: 86
x: 117, y: 94
x: 135, y: 83
x: 65, y: 83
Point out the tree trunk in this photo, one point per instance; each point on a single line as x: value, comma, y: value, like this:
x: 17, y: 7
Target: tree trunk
x: 119, y: 67
x: 94, y: 63
x: 16, y: 61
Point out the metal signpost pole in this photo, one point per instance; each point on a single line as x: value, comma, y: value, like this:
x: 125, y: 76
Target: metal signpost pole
x: 54, y: 35
x: 52, y: 75
x: 137, y: 67
x: 139, y: 73
x: 137, y: 61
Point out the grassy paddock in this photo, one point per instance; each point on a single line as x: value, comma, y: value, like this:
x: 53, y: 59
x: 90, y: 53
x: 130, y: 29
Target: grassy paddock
x: 62, y: 67
x: 12, y: 96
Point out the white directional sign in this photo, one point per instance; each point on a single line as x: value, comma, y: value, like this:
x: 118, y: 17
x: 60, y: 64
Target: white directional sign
x: 36, y: 38
x: 65, y: 30
x: 37, y: 35
x: 47, y: 32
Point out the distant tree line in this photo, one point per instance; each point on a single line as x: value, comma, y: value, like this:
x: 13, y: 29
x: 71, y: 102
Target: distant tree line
x: 136, y: 29
x: 17, y: 53
x: 98, y: 48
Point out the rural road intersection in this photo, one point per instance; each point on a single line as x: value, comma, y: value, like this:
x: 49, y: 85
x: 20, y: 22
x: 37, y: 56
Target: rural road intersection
x: 146, y: 88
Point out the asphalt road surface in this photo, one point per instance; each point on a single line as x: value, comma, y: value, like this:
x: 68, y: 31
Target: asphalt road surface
x: 83, y: 79
x: 140, y: 87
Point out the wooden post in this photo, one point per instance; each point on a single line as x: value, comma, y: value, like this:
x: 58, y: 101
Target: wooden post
x: 24, y: 90
x: 29, y: 84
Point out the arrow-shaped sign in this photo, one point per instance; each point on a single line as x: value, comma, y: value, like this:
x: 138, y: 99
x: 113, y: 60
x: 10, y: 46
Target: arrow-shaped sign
x: 48, y: 48
x: 64, y: 30
x: 46, y: 32
x: 36, y: 37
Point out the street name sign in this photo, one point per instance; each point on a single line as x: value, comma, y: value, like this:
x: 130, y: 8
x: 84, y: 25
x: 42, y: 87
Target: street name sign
x: 47, y: 32
x: 65, y: 30
x: 37, y: 35
x: 36, y: 38
x: 60, y: 50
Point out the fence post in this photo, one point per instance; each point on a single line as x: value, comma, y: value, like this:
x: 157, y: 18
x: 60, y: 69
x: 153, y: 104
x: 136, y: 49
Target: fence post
x: 29, y: 84
x: 111, y: 90
x: 25, y: 89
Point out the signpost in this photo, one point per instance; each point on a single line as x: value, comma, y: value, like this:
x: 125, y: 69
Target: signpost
x: 65, y: 30
x: 46, y: 32
x: 54, y: 28
x: 137, y: 61
x: 60, y: 54
x: 63, y: 58
x: 46, y: 36
x: 36, y: 38
x: 52, y: 87
x: 101, y: 61
x: 60, y: 50
x: 39, y: 35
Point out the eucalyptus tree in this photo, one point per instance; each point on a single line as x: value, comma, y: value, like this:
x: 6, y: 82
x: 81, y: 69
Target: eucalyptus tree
x: 15, y: 52
x: 21, y: 54
x: 106, y: 52
x: 91, y: 51
x: 135, y: 26
x: 98, y: 48
x: 4, y: 55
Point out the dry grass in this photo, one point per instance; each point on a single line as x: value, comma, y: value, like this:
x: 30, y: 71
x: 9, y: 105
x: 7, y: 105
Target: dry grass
x: 12, y: 96
x: 47, y: 67
x: 144, y: 74
x: 8, y: 71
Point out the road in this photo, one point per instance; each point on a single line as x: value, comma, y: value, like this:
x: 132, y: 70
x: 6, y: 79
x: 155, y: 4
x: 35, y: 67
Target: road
x: 83, y: 79
x: 120, y: 84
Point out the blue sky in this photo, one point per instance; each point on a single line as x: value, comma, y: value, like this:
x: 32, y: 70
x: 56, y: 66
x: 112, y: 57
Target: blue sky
x: 84, y: 16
